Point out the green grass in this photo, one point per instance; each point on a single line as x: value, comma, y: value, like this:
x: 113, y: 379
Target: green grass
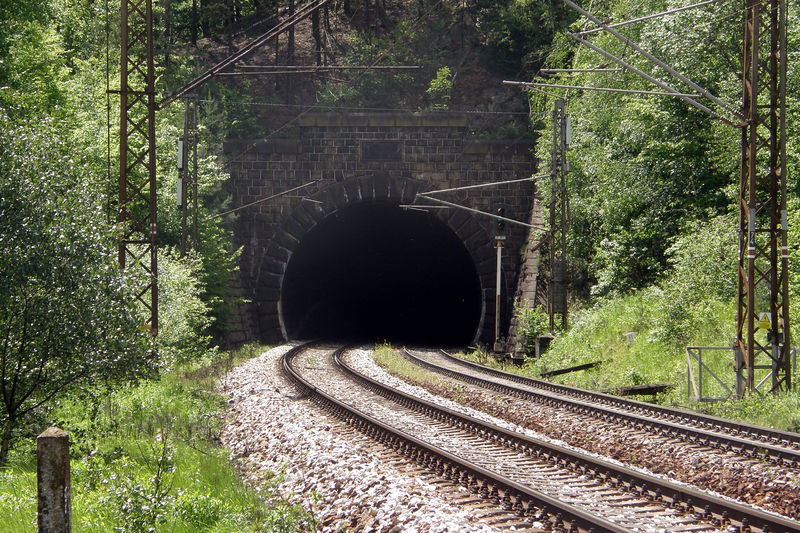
x: 144, y: 459
x: 657, y: 354
x: 397, y: 365
x: 18, y: 495
x: 486, y: 359
x: 778, y: 411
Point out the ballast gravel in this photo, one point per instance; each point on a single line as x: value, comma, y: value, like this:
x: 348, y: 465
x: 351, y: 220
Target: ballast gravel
x: 288, y: 447
x: 762, y: 485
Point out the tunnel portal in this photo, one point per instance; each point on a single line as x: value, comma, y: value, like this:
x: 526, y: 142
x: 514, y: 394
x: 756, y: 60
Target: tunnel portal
x: 379, y: 272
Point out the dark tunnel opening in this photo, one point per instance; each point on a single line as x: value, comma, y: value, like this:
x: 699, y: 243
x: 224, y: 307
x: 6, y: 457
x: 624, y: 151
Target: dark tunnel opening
x: 378, y: 272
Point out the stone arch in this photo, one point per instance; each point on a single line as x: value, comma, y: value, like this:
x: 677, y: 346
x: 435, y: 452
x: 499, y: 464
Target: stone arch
x: 360, y: 190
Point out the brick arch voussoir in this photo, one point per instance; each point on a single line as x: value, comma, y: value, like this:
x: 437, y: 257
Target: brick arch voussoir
x: 339, y: 195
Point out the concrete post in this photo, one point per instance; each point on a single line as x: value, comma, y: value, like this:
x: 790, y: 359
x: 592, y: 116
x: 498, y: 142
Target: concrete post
x: 52, y: 470
x: 542, y: 344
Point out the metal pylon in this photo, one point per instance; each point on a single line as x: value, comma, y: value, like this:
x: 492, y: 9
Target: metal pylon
x: 137, y: 154
x: 558, y: 217
x: 188, y: 172
x: 763, y: 333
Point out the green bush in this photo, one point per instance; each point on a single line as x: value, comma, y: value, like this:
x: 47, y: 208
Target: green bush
x: 702, y: 278
x: 439, y: 89
x: 532, y: 324
x: 144, y: 459
x: 184, y: 317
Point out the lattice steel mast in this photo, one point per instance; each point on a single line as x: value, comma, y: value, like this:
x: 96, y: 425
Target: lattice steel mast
x: 558, y: 217
x: 763, y: 285
x: 137, y: 153
x: 137, y: 170
x: 187, y: 172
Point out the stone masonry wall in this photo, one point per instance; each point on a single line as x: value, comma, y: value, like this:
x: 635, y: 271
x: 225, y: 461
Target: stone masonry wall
x: 354, y: 158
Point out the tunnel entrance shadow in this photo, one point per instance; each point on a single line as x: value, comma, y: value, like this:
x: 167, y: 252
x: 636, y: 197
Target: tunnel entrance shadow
x: 378, y: 272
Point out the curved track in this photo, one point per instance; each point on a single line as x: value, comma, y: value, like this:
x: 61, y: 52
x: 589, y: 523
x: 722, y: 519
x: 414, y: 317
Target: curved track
x: 779, y: 447
x: 506, y: 466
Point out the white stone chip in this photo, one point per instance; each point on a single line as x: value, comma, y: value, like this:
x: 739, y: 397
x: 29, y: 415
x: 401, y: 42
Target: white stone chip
x: 293, y: 445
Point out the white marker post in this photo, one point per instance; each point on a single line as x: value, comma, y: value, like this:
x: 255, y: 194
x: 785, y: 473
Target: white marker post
x: 499, y: 245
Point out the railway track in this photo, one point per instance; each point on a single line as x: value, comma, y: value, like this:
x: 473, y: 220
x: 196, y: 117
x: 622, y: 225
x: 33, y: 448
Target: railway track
x: 555, y: 487
x: 778, y: 447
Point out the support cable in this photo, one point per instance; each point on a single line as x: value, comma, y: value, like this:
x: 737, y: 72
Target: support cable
x: 266, y: 69
x: 652, y: 80
x: 262, y: 200
x: 600, y: 89
x: 653, y: 59
x: 481, y: 185
x: 283, y: 26
x: 649, y: 17
x: 477, y: 211
x: 577, y: 70
x: 375, y: 61
x: 311, y: 70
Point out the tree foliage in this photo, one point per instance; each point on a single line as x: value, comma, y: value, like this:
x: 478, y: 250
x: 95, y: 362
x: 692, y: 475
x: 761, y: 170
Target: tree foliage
x: 67, y: 317
x: 646, y: 169
x: 65, y: 308
x: 439, y: 89
x: 518, y: 33
x: 185, y: 318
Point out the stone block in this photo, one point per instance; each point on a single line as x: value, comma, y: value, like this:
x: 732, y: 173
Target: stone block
x: 53, y: 482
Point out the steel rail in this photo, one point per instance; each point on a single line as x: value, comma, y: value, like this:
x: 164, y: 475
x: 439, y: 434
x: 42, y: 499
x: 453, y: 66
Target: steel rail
x: 524, y: 500
x: 714, y: 509
x: 780, y: 447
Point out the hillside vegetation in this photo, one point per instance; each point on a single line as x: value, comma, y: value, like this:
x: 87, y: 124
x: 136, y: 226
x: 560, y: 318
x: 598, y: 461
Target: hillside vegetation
x: 652, y: 196
x: 141, y: 412
x: 653, y: 192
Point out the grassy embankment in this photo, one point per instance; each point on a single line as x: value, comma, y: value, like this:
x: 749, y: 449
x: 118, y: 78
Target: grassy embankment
x: 144, y: 458
x: 651, y: 356
x: 599, y: 334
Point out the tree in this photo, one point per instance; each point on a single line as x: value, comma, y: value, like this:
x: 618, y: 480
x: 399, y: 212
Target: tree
x: 644, y: 170
x: 66, y: 318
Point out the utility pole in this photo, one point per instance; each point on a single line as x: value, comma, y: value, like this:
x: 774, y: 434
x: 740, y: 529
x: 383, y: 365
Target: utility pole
x: 498, y: 244
x: 763, y: 285
x: 500, y: 234
x: 137, y: 153
x: 137, y: 170
x: 187, y: 170
x: 558, y: 216
x: 191, y: 136
x: 180, y: 190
